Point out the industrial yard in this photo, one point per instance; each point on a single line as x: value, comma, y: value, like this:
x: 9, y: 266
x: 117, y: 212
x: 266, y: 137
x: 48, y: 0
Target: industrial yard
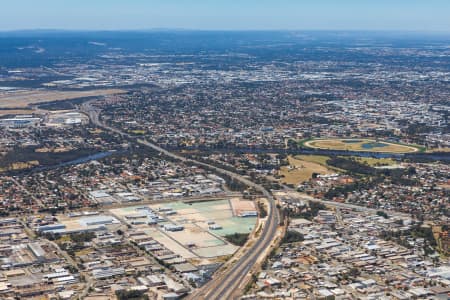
x: 194, y: 231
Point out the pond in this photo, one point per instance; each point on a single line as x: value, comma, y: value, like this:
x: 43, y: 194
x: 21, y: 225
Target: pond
x: 371, y: 145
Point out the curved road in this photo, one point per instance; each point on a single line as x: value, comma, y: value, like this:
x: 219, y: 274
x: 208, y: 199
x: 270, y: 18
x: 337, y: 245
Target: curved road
x: 226, y: 284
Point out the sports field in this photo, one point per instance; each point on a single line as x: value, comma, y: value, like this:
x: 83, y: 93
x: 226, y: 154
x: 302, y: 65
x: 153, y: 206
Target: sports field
x: 368, y: 145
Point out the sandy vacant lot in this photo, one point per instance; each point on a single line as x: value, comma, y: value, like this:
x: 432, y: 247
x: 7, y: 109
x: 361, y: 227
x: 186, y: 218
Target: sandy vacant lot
x: 23, y: 99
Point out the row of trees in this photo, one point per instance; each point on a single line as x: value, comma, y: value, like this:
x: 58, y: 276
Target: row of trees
x: 238, y: 239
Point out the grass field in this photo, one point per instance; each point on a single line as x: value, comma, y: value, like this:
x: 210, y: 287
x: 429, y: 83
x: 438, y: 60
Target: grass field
x: 318, y: 159
x: 373, y: 162
x: 360, y: 145
x: 447, y: 149
x: 301, y: 169
x: 19, y: 166
x: 85, y: 251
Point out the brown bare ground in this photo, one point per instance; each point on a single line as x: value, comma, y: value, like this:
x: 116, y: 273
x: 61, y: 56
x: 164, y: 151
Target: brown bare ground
x: 24, y: 99
x: 6, y: 112
x: 239, y: 205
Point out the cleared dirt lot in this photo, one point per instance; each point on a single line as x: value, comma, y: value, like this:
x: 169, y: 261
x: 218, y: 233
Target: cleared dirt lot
x: 239, y: 206
x: 23, y: 99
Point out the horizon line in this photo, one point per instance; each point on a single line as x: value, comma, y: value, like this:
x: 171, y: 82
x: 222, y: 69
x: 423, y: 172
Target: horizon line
x: 155, y: 29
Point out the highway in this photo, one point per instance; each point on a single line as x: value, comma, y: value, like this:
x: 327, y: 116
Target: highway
x: 227, y: 282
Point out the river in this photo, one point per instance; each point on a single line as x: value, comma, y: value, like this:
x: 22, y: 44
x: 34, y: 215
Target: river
x: 436, y: 156
x: 80, y: 160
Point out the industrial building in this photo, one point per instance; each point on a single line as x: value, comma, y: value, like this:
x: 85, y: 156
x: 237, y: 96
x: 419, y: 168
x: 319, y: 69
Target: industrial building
x: 19, y: 121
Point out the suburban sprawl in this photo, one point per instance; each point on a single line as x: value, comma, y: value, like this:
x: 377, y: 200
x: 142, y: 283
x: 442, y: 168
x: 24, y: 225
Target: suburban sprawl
x: 257, y: 165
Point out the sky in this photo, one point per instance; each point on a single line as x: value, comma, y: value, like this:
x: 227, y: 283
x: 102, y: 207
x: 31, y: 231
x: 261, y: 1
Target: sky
x: 411, y: 15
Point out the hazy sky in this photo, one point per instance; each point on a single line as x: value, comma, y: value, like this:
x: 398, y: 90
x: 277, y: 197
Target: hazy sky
x: 422, y: 15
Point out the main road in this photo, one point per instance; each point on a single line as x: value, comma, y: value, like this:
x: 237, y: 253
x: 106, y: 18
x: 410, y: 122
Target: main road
x: 228, y: 282
x: 340, y: 205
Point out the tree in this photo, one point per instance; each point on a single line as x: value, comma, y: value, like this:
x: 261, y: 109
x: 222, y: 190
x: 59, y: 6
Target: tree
x: 382, y: 214
x: 238, y: 239
x: 353, y: 272
x: 292, y: 237
x: 131, y: 295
